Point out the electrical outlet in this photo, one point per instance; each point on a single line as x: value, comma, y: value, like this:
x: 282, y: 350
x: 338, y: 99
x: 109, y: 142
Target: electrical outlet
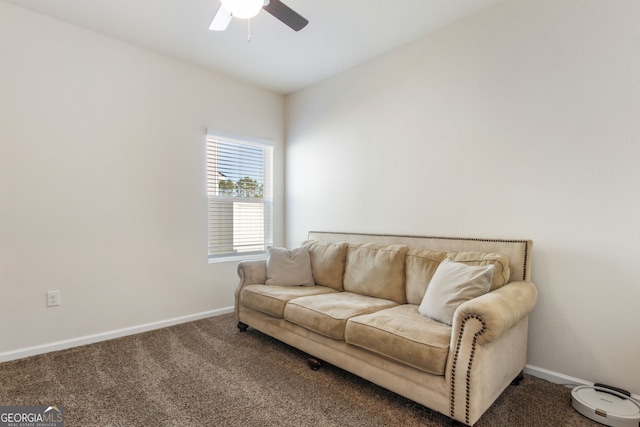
x: 53, y: 298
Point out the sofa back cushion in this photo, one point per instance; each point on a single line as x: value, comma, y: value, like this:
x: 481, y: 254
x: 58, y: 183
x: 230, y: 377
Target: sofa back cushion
x: 421, y: 264
x: 501, y: 274
x: 327, y: 262
x: 376, y: 270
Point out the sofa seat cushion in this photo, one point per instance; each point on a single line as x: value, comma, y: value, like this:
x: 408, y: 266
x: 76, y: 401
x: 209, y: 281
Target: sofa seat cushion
x: 402, y: 334
x: 328, y: 314
x: 272, y: 299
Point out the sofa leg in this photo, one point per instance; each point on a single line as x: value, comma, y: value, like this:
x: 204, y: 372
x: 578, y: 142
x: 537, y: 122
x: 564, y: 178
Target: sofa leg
x: 314, y: 363
x: 242, y: 326
x: 456, y: 423
x: 517, y: 380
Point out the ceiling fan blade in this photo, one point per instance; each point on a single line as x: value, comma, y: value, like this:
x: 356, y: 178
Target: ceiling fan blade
x: 220, y: 20
x: 285, y: 14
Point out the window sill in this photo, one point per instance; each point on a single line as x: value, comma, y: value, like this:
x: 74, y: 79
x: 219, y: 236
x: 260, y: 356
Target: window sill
x: 238, y: 258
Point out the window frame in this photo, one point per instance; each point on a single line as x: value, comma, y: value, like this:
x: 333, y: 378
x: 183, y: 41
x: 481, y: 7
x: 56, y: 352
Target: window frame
x: 268, y: 148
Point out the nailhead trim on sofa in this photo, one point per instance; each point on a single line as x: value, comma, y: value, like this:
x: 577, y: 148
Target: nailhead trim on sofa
x: 455, y: 361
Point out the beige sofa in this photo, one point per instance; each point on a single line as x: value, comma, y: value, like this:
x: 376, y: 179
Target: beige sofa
x: 362, y: 316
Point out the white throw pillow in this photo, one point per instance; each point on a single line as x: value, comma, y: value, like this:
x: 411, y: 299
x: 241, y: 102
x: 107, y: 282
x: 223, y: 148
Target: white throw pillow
x: 289, y: 267
x: 452, y: 284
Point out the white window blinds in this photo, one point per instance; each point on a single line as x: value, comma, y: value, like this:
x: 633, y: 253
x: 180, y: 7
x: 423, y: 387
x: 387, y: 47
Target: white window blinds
x: 240, y: 196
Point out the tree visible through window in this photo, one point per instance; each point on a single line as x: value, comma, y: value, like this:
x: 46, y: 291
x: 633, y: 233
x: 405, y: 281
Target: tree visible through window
x: 240, y: 196
x: 245, y: 187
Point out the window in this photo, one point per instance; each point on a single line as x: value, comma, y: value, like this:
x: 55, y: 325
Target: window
x: 239, y: 187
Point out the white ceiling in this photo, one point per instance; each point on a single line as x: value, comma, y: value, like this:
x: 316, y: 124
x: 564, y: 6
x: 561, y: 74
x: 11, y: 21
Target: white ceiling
x: 340, y: 34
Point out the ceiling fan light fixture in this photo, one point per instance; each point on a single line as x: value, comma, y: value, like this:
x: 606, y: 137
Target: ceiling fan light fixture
x: 243, y: 9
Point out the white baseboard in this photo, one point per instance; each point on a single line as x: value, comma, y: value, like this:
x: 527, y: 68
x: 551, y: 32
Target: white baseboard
x: 89, y: 339
x: 554, y: 377
x: 558, y: 378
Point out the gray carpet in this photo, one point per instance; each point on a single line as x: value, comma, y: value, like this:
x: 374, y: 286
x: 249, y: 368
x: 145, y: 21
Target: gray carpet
x: 206, y: 373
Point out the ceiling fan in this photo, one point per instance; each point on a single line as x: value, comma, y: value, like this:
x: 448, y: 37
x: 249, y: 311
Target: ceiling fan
x: 246, y: 9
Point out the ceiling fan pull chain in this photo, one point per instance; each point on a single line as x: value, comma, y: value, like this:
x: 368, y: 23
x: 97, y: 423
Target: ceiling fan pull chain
x: 249, y: 30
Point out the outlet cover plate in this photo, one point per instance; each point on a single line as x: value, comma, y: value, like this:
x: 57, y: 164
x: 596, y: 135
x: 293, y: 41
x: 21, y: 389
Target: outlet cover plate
x: 53, y: 298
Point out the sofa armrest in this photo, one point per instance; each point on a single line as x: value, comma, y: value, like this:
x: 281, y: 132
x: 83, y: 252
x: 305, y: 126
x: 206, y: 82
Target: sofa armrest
x: 488, y: 348
x: 498, y: 310
x: 250, y: 273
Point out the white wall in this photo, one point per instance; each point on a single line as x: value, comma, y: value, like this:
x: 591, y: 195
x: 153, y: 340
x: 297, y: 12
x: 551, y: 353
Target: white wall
x: 520, y: 122
x: 102, y: 181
